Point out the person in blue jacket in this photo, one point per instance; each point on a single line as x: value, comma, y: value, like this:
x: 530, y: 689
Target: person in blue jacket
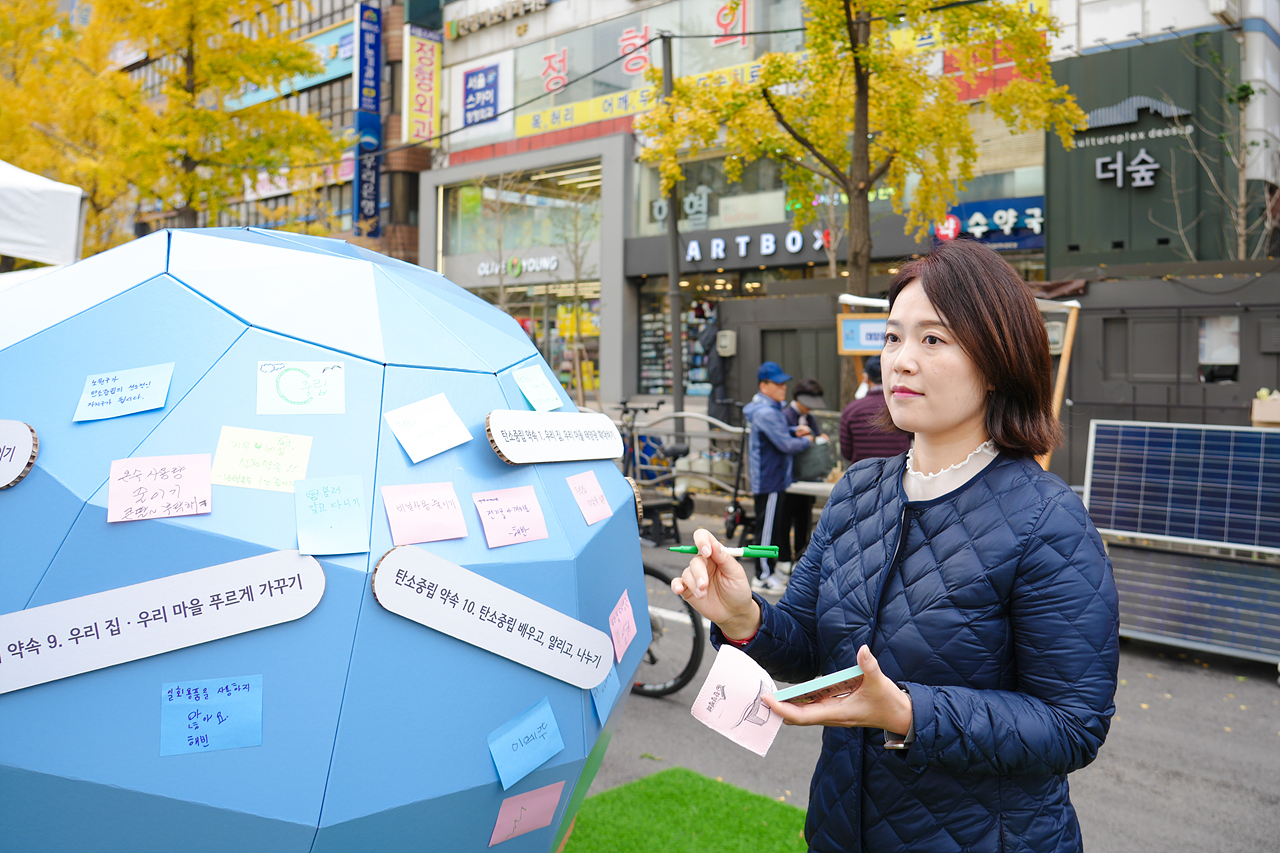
x: 770, y: 448
x: 968, y: 583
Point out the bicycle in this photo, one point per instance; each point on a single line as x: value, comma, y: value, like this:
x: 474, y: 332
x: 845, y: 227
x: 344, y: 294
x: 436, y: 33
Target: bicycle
x: 679, y: 637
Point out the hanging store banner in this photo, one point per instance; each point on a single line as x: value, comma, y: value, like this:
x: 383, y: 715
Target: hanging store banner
x: 368, y: 174
x: 368, y: 66
x: 1003, y: 224
x: 421, y: 85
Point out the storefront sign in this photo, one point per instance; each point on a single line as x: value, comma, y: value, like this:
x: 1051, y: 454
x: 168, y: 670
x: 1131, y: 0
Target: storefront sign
x: 368, y: 174
x: 456, y: 29
x: 480, y: 93
x: 368, y: 66
x: 860, y: 334
x: 514, y: 266
x: 1003, y: 224
x: 422, y: 85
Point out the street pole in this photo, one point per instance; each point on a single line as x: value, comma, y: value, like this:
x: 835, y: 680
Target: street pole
x: 673, y: 262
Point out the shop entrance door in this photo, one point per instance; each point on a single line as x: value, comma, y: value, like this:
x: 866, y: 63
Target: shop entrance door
x: 806, y: 353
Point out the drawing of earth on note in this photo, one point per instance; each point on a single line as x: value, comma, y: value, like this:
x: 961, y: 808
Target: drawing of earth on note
x: 291, y: 356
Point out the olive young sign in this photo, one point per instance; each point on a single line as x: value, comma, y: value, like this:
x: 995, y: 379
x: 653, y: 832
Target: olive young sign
x: 514, y: 266
x: 418, y: 585
x: 133, y: 622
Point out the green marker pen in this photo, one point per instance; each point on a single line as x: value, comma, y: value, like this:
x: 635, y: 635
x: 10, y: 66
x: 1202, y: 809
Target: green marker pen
x: 767, y: 551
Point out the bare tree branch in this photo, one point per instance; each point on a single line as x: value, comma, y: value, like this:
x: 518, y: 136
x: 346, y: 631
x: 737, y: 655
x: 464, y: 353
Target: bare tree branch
x: 837, y: 174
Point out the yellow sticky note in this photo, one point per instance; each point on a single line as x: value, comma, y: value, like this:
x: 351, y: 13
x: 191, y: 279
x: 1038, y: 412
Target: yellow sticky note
x: 258, y: 459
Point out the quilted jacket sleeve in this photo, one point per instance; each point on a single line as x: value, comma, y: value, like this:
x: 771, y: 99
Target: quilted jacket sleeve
x: 1064, y: 629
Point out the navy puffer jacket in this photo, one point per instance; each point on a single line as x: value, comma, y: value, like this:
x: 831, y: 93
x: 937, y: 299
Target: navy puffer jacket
x: 994, y: 606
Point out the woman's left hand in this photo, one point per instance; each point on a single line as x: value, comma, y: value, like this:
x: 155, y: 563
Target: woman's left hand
x: 875, y: 702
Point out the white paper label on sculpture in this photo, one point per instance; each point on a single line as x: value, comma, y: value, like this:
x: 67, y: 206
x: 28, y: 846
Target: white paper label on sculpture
x: 427, y: 427
x: 301, y: 388
x: 18, y: 450
x: 132, y: 622
x: 522, y: 438
x: 416, y: 584
x: 537, y: 388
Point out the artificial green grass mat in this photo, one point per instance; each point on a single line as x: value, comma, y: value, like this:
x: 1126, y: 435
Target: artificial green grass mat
x: 679, y: 811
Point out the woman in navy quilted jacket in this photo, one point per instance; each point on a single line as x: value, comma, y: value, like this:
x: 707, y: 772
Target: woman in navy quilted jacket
x: 968, y: 583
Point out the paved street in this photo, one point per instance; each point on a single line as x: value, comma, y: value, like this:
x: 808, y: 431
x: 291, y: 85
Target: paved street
x: 1192, y: 762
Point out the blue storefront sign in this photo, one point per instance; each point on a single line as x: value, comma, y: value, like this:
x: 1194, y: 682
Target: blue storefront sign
x: 480, y: 95
x: 334, y: 46
x: 368, y: 86
x: 367, y: 202
x: 1004, y: 224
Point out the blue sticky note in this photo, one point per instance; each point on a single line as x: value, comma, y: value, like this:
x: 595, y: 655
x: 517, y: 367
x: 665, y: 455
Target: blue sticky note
x: 604, y: 694
x: 333, y: 515
x: 216, y: 713
x: 123, y: 392
x: 524, y: 744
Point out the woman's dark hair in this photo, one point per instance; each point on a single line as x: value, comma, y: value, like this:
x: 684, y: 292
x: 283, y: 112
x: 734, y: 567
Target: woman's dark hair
x: 996, y: 322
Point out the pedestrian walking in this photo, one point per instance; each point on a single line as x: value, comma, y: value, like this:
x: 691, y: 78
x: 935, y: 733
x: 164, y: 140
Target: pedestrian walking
x: 968, y: 584
x: 770, y: 449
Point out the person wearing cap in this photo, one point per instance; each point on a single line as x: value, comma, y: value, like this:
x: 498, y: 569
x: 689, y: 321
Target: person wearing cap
x: 797, y: 510
x: 861, y: 436
x: 770, y: 449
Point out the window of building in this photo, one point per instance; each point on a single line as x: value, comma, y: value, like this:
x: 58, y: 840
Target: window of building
x: 404, y: 198
x: 330, y: 102
x: 1219, y: 349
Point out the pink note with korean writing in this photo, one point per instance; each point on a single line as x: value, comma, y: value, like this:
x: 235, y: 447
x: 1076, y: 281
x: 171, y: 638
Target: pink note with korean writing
x: 159, y: 487
x: 730, y: 702
x: 526, y: 812
x: 423, y: 512
x: 510, y: 516
x: 622, y: 624
x: 590, y: 497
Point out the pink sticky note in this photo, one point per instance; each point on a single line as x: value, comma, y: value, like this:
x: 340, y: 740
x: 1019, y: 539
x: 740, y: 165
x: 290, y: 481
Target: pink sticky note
x: 590, y: 497
x: 423, y: 512
x: 510, y: 516
x: 730, y: 703
x: 622, y: 624
x: 526, y: 812
x: 159, y: 487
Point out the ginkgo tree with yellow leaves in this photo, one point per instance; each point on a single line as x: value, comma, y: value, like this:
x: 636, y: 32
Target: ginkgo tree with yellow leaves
x: 862, y: 105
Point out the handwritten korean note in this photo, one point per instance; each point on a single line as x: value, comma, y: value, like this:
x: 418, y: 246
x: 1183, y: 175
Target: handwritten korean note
x: 423, y: 512
x: 257, y: 459
x: 605, y: 694
x: 332, y: 515
x: 729, y: 701
x: 525, y: 743
x: 526, y: 812
x: 302, y: 388
x: 622, y: 625
x: 216, y: 713
x: 123, y: 392
x: 159, y: 487
x: 537, y: 388
x: 510, y: 516
x: 427, y: 427
x: 590, y: 497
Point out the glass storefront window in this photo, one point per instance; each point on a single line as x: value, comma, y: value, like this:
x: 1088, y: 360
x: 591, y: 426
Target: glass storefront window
x: 518, y: 211
x: 708, y: 201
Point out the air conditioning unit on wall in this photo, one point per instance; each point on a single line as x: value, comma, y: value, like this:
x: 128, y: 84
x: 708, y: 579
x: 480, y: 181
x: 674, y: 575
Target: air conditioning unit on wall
x: 1226, y: 11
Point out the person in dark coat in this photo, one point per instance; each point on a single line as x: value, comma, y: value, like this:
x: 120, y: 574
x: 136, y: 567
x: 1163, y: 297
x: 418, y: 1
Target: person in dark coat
x: 862, y: 434
x: 968, y: 583
x: 797, y: 510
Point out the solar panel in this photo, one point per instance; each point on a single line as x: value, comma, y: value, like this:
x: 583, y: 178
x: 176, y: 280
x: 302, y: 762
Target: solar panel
x: 1208, y: 485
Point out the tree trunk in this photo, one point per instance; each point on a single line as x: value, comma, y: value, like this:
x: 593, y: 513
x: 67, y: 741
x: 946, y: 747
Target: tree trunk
x: 1242, y: 186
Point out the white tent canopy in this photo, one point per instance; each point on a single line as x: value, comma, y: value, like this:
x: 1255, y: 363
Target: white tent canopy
x: 40, y: 219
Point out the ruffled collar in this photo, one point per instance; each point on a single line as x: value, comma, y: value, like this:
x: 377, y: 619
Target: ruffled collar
x: 927, y: 486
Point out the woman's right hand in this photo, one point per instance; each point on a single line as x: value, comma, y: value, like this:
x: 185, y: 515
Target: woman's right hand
x: 716, y: 585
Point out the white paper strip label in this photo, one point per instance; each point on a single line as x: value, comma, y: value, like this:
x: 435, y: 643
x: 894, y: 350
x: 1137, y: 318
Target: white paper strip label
x: 418, y: 585
x: 18, y: 450
x: 522, y: 438
x: 133, y: 622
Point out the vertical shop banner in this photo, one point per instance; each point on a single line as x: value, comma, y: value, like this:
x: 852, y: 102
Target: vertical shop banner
x: 368, y: 174
x: 480, y: 93
x: 368, y: 65
x: 421, y: 85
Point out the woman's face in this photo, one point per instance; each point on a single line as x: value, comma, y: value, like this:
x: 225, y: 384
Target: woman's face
x: 933, y: 388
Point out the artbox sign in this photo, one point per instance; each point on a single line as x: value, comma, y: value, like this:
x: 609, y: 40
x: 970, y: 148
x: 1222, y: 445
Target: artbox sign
x: 767, y: 243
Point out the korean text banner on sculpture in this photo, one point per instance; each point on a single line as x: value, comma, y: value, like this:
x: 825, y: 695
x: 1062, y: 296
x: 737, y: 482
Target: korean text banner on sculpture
x: 123, y: 392
x: 427, y: 427
x: 257, y: 459
x: 301, y: 388
x: 525, y: 743
x: 212, y: 714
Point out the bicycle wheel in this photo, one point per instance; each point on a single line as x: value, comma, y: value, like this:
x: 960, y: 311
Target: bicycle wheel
x: 674, y: 655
